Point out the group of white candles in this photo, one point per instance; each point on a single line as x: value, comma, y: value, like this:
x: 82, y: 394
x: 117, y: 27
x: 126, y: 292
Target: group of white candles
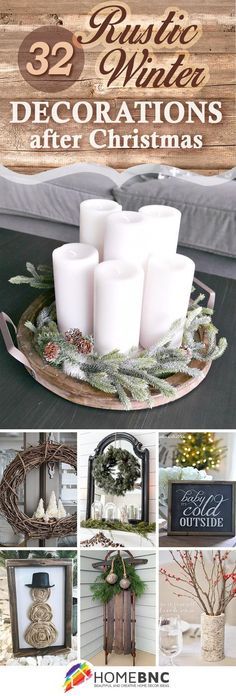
x: 123, y: 282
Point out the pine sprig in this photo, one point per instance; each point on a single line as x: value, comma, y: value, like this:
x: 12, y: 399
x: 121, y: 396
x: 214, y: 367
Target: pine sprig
x: 140, y: 372
x: 141, y: 528
x: 137, y: 374
x: 103, y: 592
x: 40, y: 277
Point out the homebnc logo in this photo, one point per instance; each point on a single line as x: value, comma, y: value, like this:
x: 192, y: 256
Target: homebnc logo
x: 77, y: 675
x: 131, y: 678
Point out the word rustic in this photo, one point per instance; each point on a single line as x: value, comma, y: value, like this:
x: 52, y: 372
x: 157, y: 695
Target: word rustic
x: 112, y: 26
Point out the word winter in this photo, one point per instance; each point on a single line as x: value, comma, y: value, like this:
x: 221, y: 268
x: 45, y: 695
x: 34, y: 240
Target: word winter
x: 109, y: 26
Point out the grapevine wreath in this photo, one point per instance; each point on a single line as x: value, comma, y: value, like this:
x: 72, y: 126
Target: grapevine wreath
x: 128, y: 470
x: 15, y: 475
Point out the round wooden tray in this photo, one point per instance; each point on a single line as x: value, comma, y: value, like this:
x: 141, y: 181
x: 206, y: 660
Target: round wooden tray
x: 81, y: 392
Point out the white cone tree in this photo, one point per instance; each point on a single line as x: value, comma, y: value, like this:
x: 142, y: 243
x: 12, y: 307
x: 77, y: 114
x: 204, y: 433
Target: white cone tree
x: 52, y: 509
x: 61, y: 510
x: 39, y: 512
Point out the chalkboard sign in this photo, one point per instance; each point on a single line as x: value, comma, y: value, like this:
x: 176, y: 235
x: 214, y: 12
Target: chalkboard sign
x: 201, y: 508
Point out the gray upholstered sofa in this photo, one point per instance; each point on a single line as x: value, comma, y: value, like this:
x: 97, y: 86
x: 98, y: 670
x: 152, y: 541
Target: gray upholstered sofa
x: 49, y: 206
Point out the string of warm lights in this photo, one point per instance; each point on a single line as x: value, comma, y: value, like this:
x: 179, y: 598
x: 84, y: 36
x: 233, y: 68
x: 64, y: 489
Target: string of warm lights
x: 200, y: 450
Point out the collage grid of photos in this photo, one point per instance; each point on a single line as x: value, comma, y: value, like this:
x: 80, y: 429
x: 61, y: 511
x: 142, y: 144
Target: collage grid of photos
x: 144, y: 574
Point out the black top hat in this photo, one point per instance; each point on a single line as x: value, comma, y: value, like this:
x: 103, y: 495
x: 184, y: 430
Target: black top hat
x: 40, y: 580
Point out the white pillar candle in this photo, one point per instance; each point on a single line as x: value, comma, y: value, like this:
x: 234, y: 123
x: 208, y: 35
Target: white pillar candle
x: 166, y: 295
x: 93, y: 216
x: 125, y: 237
x: 162, y: 229
x: 118, y: 291
x: 73, y: 270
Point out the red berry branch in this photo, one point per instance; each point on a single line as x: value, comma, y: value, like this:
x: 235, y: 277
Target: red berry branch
x: 215, y: 592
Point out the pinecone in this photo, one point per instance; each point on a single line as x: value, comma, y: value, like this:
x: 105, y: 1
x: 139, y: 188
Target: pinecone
x: 73, y: 336
x: 51, y: 352
x: 85, y: 346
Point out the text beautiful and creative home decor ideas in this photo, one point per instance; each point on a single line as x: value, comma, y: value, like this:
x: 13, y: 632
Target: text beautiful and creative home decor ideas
x: 128, y: 331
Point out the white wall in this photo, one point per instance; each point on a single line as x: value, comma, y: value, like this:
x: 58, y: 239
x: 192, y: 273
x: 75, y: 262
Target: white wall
x: 146, y: 605
x: 227, y: 468
x: 88, y: 441
x: 186, y: 607
x: 91, y: 613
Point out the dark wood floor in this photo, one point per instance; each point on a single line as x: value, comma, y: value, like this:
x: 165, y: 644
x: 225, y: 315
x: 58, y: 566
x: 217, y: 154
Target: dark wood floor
x: 25, y: 404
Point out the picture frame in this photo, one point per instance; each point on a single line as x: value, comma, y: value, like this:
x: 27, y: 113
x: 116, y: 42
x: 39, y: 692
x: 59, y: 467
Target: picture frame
x: 141, y: 452
x: 179, y: 493
x: 55, y: 574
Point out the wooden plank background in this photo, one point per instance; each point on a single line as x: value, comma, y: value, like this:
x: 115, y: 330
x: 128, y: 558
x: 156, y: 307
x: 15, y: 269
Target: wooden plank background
x: 216, y: 48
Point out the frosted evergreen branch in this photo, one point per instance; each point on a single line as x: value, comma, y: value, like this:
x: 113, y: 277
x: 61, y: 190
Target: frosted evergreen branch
x: 136, y: 374
x: 30, y: 326
x: 122, y: 394
x: 40, y: 278
x: 165, y: 339
x: 172, y: 368
x: 197, y: 300
x: 138, y: 388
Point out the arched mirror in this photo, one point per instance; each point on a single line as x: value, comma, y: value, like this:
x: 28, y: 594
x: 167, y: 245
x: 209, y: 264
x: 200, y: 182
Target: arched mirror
x: 118, y: 480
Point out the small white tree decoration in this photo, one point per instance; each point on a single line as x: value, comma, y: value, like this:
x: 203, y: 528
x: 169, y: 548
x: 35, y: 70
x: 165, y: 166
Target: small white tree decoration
x: 52, y: 509
x: 39, y: 512
x: 61, y: 512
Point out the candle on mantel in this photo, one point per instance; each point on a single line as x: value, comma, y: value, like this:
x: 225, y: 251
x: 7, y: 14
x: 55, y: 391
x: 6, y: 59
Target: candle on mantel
x: 93, y: 216
x: 118, y: 291
x: 73, y: 270
x: 125, y: 237
x: 166, y: 295
x: 162, y: 229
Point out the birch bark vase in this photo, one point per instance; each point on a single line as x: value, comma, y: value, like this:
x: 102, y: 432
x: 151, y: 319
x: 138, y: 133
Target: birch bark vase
x: 212, y: 637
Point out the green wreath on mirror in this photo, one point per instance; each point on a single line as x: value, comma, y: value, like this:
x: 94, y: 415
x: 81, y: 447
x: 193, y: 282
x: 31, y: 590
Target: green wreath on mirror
x: 128, y: 471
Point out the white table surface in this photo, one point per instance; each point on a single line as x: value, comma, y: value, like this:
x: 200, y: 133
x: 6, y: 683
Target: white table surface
x: 191, y: 652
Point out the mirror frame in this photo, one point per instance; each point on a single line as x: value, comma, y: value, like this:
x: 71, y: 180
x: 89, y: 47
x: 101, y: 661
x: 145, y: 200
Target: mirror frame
x: 141, y: 452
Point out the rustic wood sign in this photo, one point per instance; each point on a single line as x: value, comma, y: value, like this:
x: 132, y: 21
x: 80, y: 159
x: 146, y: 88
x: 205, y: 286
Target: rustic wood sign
x: 201, y: 507
x: 209, y: 47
